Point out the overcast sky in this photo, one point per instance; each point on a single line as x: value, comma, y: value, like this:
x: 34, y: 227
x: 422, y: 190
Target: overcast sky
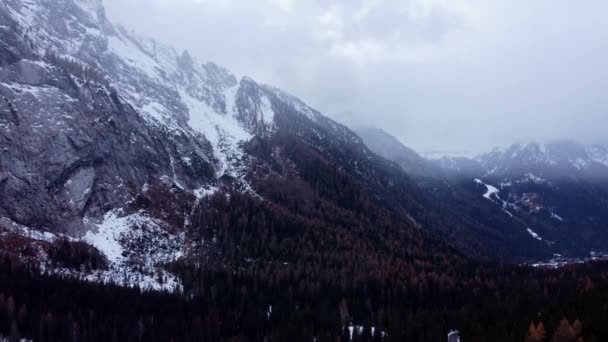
x: 458, y: 75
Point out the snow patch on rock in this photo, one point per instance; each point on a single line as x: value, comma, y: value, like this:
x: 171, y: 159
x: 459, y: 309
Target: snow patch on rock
x: 533, y: 234
x: 490, y: 190
x: 27, y: 232
x: 224, y: 132
x: 136, y: 246
x: 108, y: 233
x: 557, y: 217
x: 493, y: 192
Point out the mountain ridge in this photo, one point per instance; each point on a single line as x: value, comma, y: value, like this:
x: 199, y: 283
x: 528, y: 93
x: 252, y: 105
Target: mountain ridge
x: 557, y: 189
x: 128, y: 120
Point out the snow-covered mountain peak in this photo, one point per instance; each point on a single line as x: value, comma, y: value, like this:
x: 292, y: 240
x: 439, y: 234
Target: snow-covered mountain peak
x: 94, y: 8
x: 598, y: 153
x: 65, y: 27
x: 295, y: 103
x: 117, y: 140
x: 530, y: 153
x: 552, y: 157
x: 219, y: 74
x: 93, y: 115
x: 171, y: 90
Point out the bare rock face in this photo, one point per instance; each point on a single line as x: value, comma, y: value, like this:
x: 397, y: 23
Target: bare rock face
x: 71, y: 145
x: 72, y: 148
x: 91, y: 113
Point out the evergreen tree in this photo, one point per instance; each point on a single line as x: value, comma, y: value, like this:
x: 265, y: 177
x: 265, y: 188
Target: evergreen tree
x: 564, y: 332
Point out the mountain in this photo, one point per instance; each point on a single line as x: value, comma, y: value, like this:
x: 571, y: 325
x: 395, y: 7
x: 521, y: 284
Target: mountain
x: 128, y: 167
x: 117, y: 141
x: 562, y: 188
x: 559, y: 189
x: 98, y: 120
x: 557, y: 159
x: 555, y: 193
x: 389, y: 147
x: 471, y: 221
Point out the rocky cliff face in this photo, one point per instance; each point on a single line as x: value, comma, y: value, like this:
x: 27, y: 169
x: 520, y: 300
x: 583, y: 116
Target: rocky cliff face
x: 90, y: 113
x: 74, y: 143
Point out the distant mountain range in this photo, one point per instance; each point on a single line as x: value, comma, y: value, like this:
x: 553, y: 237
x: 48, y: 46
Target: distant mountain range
x: 557, y: 192
x: 560, y: 158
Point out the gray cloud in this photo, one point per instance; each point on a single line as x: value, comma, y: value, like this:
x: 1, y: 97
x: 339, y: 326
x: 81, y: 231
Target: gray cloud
x: 438, y: 74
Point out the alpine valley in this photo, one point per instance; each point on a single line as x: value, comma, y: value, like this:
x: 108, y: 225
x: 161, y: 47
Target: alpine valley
x: 146, y: 196
x: 555, y: 193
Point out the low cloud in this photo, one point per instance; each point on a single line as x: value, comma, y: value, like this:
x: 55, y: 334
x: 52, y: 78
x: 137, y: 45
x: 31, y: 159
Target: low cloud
x: 438, y: 74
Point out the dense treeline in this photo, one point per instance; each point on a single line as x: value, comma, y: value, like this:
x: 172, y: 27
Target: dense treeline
x: 49, y: 308
x: 393, y: 288
x: 326, y: 255
x: 253, y: 306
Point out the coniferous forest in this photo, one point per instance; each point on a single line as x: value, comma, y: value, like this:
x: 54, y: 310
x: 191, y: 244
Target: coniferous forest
x: 563, y: 305
x: 306, y: 270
